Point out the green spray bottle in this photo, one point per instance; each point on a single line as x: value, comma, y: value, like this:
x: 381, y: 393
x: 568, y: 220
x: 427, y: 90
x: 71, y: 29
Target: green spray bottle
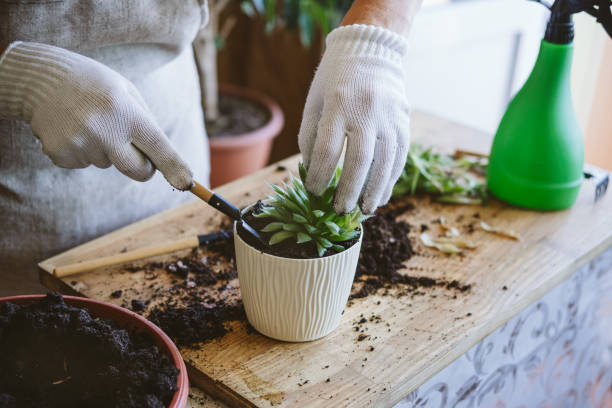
x: 537, y: 156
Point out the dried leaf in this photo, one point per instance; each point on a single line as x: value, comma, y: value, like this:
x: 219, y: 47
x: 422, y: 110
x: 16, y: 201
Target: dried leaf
x: 457, y: 241
x: 63, y: 380
x: 448, y: 248
x: 505, y: 233
x: 448, y: 230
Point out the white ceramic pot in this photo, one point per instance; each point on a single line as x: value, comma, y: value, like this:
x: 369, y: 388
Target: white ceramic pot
x: 294, y: 299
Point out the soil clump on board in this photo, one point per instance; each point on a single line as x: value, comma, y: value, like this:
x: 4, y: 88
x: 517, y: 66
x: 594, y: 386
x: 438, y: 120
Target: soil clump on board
x: 55, y: 355
x: 287, y: 248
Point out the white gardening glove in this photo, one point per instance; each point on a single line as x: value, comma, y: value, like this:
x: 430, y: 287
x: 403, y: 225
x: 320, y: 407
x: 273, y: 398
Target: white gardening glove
x: 358, y: 92
x: 85, y: 113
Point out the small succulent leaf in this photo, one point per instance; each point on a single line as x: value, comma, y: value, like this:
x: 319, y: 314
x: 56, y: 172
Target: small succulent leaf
x: 328, y: 196
x: 302, y: 172
x: 318, y: 213
x: 329, y: 216
x: 320, y: 249
x: 294, y: 207
x: 333, y: 228
x: 310, y: 229
x: 292, y: 227
x: 278, y: 190
x: 300, y: 218
x: 325, y: 243
x: 273, y: 226
x: 338, y: 248
x: 280, y: 237
x: 302, y: 238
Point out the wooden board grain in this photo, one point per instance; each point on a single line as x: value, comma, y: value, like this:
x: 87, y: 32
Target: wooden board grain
x: 413, y: 337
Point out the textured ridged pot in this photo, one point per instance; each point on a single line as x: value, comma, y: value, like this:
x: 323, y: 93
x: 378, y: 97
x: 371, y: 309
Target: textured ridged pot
x: 294, y: 299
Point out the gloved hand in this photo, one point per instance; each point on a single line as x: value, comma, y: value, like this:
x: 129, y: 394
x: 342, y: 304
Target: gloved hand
x: 358, y: 92
x: 85, y: 113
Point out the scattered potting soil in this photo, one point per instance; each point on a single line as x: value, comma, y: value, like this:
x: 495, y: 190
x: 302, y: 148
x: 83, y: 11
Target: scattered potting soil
x: 384, y: 249
x: 204, y: 303
x: 55, y: 355
x: 116, y: 294
x: 198, y: 312
x: 287, y: 248
x: 236, y: 116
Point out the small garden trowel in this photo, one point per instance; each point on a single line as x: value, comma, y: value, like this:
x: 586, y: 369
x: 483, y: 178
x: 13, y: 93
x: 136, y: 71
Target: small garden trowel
x: 222, y: 205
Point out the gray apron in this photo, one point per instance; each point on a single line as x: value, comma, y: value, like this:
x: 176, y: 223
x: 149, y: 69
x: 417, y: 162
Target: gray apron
x: 45, y: 209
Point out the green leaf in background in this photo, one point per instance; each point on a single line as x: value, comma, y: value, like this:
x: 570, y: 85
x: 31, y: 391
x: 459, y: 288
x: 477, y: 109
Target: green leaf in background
x: 248, y: 9
x: 308, y: 16
x: 306, y: 28
x: 450, y: 180
x: 270, y: 6
x: 260, y: 5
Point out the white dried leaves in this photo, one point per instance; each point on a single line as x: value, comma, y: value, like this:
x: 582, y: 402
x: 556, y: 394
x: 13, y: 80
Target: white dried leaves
x: 452, y: 242
x: 499, y: 231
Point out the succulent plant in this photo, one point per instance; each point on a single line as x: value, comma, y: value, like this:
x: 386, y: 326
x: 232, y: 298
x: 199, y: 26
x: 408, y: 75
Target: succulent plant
x: 452, y: 180
x: 305, y: 217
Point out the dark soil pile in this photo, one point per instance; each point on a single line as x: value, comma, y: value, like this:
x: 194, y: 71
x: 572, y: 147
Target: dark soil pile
x: 54, y: 355
x: 286, y: 249
x: 199, y: 312
x: 187, y: 326
x: 384, y: 248
x: 236, y: 116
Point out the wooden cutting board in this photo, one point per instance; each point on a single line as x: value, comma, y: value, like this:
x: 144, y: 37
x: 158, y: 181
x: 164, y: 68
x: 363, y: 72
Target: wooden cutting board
x: 411, y: 337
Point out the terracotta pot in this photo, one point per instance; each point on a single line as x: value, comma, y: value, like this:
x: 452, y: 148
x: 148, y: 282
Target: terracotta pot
x: 235, y: 156
x: 132, y: 322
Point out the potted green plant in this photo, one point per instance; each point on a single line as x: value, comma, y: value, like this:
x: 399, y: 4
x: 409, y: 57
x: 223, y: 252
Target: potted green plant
x: 296, y: 288
x: 242, y: 123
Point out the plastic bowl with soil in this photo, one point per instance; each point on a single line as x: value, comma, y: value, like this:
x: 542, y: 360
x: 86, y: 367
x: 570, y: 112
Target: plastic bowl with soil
x: 65, y: 351
x: 289, y: 292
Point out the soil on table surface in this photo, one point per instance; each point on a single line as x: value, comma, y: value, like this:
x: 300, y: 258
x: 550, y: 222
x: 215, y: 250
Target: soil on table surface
x: 237, y: 116
x: 385, y: 247
x: 203, y: 303
x: 55, y: 355
x: 287, y: 248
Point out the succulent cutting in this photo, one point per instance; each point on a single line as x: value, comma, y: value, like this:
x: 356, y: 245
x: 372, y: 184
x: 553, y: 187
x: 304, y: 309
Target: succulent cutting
x: 305, y: 217
x: 452, y: 180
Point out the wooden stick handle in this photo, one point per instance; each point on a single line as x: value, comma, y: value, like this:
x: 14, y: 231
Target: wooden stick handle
x: 201, y: 191
x: 62, y: 271
x: 216, y: 201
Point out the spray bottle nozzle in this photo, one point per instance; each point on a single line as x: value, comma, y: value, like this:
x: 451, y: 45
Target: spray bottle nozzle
x: 560, y: 29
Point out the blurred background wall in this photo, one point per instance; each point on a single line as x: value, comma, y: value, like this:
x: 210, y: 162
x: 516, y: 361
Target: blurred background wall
x: 467, y: 58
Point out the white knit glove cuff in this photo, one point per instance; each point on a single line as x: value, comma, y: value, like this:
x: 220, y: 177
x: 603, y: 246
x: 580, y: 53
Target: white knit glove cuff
x: 29, y: 74
x: 366, y: 40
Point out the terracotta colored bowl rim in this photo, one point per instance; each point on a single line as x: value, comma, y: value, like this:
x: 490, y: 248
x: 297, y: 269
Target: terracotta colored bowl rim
x: 268, y: 131
x: 180, y: 397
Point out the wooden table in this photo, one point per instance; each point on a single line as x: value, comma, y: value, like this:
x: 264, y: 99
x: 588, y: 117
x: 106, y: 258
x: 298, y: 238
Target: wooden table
x: 424, y: 333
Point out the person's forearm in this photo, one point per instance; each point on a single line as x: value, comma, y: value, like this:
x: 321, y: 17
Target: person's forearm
x: 395, y: 15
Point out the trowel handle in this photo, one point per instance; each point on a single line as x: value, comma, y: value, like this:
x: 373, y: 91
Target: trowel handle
x: 215, y: 200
